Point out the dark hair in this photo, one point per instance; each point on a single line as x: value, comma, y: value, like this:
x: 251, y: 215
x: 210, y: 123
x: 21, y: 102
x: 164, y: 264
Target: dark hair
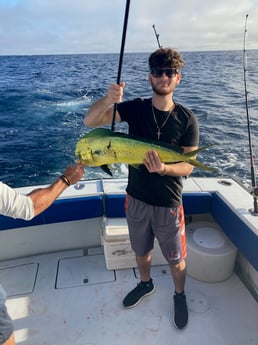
x: 166, y: 57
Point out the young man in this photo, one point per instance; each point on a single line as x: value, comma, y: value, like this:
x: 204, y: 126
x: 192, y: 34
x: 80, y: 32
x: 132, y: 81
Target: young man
x: 154, y: 192
x: 26, y: 207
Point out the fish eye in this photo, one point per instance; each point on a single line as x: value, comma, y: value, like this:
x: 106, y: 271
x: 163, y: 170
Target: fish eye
x: 97, y: 152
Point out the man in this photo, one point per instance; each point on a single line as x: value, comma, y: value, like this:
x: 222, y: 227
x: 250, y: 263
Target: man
x: 26, y: 207
x: 154, y: 191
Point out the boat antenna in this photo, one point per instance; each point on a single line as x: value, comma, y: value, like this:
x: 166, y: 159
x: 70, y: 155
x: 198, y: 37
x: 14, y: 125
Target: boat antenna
x: 121, y: 58
x: 157, y: 35
x: 254, y: 191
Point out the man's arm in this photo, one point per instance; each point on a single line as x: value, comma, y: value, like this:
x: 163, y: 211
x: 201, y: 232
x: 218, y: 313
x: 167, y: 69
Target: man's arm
x: 154, y: 164
x: 181, y: 168
x: 16, y: 205
x: 101, y: 112
x: 42, y: 198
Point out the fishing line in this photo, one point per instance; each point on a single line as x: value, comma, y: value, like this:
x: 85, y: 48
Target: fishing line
x: 254, y: 187
x: 121, y: 58
x: 157, y: 35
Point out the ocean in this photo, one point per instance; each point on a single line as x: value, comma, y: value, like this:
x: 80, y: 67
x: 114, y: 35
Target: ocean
x: 43, y: 100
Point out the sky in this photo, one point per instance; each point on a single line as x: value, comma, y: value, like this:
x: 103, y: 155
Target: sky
x: 31, y: 27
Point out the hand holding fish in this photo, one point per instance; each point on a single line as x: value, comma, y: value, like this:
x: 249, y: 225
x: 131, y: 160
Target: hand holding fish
x: 153, y: 163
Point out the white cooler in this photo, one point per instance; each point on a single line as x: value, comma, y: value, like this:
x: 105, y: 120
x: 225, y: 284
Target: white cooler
x: 117, y: 246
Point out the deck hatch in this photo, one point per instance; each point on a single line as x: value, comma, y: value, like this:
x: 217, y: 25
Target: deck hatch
x: 83, y: 271
x: 20, y: 279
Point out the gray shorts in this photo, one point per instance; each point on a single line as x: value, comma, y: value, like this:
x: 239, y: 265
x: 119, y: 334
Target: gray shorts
x: 6, y: 324
x: 145, y: 222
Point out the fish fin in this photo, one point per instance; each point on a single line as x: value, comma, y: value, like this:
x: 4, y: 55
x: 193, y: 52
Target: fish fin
x: 99, y: 132
x: 200, y: 149
x: 202, y: 166
x: 106, y: 169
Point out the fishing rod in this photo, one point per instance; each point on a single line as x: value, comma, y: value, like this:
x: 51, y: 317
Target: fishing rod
x: 121, y: 58
x: 254, y: 187
x: 157, y: 35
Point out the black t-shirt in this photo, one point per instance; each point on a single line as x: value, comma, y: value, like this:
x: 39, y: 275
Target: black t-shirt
x: 181, y: 129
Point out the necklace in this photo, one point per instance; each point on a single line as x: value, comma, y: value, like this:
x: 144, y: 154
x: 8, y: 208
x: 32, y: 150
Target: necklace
x: 156, y: 122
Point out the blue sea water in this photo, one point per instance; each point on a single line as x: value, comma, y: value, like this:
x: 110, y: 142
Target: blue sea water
x: 43, y: 100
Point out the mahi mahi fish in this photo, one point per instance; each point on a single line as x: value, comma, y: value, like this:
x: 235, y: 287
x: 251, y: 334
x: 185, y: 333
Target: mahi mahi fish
x: 102, y: 147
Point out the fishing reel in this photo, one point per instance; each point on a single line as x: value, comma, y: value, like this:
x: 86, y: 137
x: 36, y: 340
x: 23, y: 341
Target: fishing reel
x: 254, y: 192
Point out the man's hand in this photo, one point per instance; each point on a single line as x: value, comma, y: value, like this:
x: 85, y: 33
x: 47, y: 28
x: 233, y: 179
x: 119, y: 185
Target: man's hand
x: 115, y: 93
x: 153, y: 163
x: 74, y: 173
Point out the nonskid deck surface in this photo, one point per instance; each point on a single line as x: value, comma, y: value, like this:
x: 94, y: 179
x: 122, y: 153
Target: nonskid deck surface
x: 67, y: 298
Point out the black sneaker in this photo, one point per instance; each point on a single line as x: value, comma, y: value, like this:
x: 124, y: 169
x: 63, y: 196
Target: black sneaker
x: 180, y: 309
x: 137, y: 294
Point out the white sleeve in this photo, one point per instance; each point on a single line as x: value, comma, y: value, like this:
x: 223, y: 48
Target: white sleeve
x: 14, y: 204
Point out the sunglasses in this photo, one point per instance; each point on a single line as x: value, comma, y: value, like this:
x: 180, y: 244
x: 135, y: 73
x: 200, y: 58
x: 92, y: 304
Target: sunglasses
x: 158, y: 72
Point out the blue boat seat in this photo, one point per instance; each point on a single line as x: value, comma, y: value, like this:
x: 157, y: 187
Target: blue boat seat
x: 193, y: 203
x: 62, y: 210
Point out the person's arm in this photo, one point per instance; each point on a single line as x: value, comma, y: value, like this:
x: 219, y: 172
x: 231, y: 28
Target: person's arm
x: 154, y: 164
x: 16, y: 205
x: 101, y: 112
x: 42, y: 198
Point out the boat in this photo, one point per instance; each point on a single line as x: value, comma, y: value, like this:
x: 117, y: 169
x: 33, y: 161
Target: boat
x: 67, y: 271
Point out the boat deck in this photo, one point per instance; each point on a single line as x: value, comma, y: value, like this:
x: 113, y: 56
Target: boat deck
x: 69, y: 298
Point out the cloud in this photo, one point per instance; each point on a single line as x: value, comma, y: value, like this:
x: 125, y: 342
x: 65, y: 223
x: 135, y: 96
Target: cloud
x: 84, y: 26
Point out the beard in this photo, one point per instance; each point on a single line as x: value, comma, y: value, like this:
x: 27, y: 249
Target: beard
x: 161, y: 91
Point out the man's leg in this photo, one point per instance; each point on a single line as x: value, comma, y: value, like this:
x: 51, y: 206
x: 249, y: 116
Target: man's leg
x: 144, y: 266
x: 10, y: 341
x: 178, y: 272
x: 145, y: 287
x: 6, y: 323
